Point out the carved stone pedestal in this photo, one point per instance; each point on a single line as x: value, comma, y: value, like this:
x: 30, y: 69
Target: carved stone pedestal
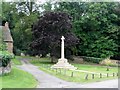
x: 63, y: 64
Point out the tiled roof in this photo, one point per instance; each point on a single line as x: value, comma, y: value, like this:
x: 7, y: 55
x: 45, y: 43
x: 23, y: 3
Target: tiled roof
x: 6, y: 35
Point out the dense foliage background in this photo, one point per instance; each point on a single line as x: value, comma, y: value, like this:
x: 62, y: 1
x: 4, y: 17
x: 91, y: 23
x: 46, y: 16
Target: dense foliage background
x: 96, y: 25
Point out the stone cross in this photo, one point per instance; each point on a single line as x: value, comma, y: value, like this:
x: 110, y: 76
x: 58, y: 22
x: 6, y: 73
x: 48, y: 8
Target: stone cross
x: 62, y: 47
x: 63, y: 62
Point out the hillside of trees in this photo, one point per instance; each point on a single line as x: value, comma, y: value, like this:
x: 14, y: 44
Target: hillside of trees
x: 95, y: 24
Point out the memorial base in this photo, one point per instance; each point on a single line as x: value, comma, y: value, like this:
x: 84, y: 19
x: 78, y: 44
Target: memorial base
x: 63, y: 64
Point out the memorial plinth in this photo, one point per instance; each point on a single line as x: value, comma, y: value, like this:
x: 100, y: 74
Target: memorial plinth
x: 63, y: 62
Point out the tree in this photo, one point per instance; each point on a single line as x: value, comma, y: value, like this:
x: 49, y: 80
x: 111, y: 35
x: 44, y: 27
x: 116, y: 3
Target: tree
x: 96, y: 25
x: 20, y: 15
x: 47, y: 32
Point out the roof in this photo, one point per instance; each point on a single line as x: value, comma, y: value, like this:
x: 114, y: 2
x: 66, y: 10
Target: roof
x: 6, y: 34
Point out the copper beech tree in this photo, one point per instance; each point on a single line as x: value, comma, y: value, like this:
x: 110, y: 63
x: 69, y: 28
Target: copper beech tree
x: 47, y: 32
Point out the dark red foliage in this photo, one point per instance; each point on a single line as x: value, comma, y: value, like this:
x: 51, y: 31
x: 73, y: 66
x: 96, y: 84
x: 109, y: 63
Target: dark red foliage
x: 49, y: 29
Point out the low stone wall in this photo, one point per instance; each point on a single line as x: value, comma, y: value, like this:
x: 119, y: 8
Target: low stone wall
x: 5, y: 70
x: 78, y: 59
x: 110, y: 62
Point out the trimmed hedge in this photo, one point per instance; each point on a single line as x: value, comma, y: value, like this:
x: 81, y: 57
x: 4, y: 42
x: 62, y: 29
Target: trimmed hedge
x: 5, y: 58
x: 92, y: 59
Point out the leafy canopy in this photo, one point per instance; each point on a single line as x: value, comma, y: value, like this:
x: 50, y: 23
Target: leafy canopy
x: 47, y: 32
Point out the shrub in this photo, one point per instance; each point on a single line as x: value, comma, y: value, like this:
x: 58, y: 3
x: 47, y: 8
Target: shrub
x: 2, y: 47
x: 5, y: 58
x: 108, y: 62
x: 92, y: 59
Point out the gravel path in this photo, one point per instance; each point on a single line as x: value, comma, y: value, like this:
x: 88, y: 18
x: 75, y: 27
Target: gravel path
x: 48, y: 81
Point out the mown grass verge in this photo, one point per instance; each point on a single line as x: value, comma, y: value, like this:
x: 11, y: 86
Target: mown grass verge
x: 18, y: 79
x: 45, y: 64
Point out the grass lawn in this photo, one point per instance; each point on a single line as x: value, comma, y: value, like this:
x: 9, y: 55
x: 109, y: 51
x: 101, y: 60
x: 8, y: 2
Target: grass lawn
x: 45, y: 64
x: 16, y: 61
x: 96, y: 68
x: 27, y: 57
x: 18, y: 79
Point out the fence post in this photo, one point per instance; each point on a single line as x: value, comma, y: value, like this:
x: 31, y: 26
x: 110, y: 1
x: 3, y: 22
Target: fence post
x: 72, y: 74
x: 117, y: 74
x: 93, y: 75
x: 86, y: 77
x: 113, y: 74
x: 100, y: 75
x: 107, y: 74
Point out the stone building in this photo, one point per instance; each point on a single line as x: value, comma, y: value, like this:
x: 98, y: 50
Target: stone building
x: 7, y: 38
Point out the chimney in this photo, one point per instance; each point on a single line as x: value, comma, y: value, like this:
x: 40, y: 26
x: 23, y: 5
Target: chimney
x: 7, y: 25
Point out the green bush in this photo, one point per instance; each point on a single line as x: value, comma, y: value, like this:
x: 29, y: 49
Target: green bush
x: 109, y: 62
x: 92, y: 59
x: 2, y: 47
x: 5, y: 58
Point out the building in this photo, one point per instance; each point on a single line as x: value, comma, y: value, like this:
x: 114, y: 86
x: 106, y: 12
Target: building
x: 7, y: 38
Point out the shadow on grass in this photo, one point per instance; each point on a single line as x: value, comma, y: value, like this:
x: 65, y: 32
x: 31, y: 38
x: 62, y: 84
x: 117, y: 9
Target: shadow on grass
x: 45, y: 61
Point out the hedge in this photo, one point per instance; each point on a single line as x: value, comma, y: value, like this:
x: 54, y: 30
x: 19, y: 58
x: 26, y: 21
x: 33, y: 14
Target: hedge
x: 5, y: 58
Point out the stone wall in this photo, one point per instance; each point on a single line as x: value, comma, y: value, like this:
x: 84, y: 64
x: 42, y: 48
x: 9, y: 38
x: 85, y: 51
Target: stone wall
x: 4, y: 70
x: 80, y: 60
x: 9, y: 46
